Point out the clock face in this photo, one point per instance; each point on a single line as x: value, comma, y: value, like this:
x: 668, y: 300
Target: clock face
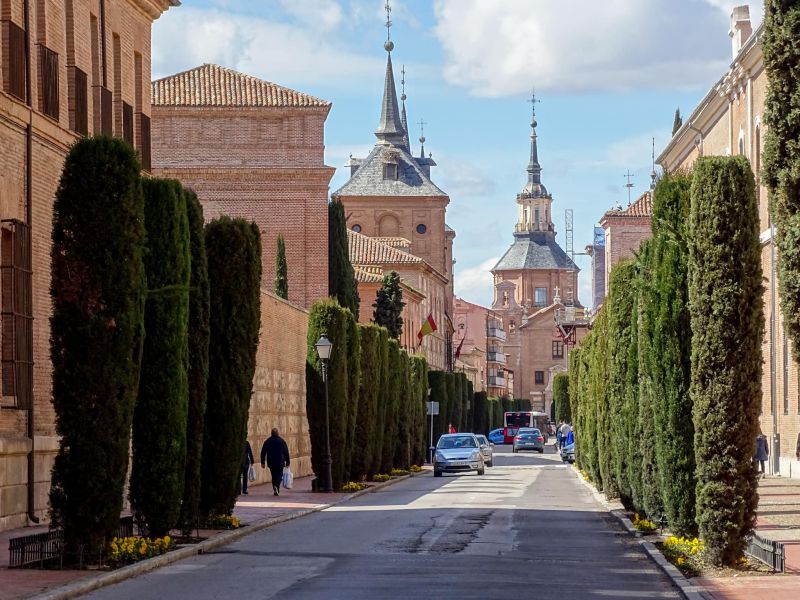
x: 356, y: 228
x: 421, y: 228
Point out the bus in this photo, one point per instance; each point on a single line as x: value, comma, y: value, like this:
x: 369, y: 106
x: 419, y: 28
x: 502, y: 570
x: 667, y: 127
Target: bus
x: 512, y: 421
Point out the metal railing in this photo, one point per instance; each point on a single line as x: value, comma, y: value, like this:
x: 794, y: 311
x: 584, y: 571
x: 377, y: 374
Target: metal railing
x: 495, y: 381
x: 496, y: 333
x: 497, y: 357
x: 767, y: 551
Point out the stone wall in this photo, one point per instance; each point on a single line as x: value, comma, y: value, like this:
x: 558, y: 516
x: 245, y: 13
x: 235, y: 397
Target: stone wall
x: 279, y: 386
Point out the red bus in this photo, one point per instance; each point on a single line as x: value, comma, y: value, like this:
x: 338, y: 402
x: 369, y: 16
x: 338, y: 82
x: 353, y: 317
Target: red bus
x: 512, y: 421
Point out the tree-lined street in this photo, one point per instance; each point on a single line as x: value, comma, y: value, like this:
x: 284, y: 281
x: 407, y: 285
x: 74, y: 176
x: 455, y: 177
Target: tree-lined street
x: 528, y: 528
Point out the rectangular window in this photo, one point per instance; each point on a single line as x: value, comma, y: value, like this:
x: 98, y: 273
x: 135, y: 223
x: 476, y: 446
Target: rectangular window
x: 390, y: 171
x: 127, y: 123
x: 106, y: 112
x: 78, y: 100
x: 144, y: 142
x: 48, y: 82
x: 539, y: 377
x: 540, y: 296
x: 13, y: 59
x: 558, y: 349
x: 117, y: 49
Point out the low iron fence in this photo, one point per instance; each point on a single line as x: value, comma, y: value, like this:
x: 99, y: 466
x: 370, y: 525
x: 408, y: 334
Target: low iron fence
x: 767, y: 551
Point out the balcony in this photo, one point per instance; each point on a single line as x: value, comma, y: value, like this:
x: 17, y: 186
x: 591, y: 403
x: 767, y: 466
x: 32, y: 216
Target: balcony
x: 497, y: 381
x: 496, y: 357
x: 496, y: 333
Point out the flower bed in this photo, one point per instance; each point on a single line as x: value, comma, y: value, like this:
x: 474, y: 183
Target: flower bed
x: 644, y: 525
x: 126, y: 550
x: 684, y: 553
x: 416, y: 469
x: 354, y: 486
x: 223, y: 522
x: 381, y: 477
x: 398, y: 472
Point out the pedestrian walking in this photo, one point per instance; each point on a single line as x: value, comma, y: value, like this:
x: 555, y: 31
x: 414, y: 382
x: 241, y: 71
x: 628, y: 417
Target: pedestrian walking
x: 450, y: 428
x: 559, y: 437
x: 247, y: 460
x: 762, y: 452
x: 275, y: 456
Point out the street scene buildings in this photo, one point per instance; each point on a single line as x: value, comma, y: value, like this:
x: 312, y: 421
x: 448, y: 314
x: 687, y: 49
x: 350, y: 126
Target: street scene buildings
x: 225, y: 306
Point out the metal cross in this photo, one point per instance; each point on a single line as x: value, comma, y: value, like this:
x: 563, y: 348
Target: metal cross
x: 629, y: 185
x: 403, y: 80
x: 533, y: 101
x: 388, y: 20
x: 421, y: 128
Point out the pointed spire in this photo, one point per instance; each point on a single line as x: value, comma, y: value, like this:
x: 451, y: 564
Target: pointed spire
x: 534, y: 168
x: 653, y: 174
x: 390, y: 129
x: 421, y: 138
x: 403, y: 118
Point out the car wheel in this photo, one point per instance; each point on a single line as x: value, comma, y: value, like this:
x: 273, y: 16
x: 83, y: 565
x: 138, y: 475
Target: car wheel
x: 437, y: 473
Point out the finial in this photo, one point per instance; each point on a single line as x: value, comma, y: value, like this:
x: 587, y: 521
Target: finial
x: 388, y: 45
x: 533, y: 102
x: 422, y: 131
x: 629, y: 185
x: 403, y: 84
x: 653, y: 173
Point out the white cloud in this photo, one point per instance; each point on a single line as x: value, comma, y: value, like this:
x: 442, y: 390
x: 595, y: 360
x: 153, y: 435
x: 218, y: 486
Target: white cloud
x: 289, y: 53
x: 504, y: 47
x: 321, y: 14
x: 460, y: 178
x: 476, y: 283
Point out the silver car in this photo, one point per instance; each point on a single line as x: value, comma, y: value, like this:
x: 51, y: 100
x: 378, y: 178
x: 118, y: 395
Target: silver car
x: 486, y: 448
x: 457, y: 453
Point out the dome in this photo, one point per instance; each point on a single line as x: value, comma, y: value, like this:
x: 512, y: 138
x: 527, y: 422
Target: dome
x: 535, y: 190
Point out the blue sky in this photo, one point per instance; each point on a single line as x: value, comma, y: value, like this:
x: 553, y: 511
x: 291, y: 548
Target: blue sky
x: 609, y: 76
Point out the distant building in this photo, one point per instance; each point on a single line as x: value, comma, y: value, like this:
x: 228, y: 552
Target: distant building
x: 480, y: 353
x: 390, y: 196
x: 597, y: 251
x: 253, y: 149
x: 623, y: 232
x: 535, y: 289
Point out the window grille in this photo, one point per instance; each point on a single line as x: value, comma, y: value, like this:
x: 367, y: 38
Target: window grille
x: 79, y: 101
x: 144, y: 142
x: 48, y: 82
x: 13, y: 56
x: 127, y: 123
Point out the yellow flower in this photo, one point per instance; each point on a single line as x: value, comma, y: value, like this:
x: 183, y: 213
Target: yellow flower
x: 680, y: 561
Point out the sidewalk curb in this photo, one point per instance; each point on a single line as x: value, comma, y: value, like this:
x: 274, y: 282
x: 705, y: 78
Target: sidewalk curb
x: 91, y: 584
x: 689, y: 591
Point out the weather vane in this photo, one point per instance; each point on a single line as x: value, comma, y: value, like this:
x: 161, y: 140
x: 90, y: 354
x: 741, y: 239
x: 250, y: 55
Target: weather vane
x: 422, y: 130
x: 533, y: 102
x: 629, y: 185
x: 388, y: 45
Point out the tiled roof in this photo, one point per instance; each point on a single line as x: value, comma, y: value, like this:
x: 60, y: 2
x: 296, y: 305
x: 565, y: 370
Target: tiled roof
x: 365, y: 250
x: 213, y: 85
x: 642, y: 207
x: 535, y: 250
x: 367, y: 276
x: 400, y: 243
x: 368, y: 179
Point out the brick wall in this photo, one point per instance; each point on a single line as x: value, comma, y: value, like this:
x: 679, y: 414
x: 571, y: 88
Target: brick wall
x: 279, y: 386
x: 263, y: 164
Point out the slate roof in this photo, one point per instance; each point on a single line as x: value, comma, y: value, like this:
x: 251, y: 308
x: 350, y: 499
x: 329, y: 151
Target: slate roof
x: 534, y: 250
x: 368, y: 179
x: 213, y: 85
x: 365, y: 250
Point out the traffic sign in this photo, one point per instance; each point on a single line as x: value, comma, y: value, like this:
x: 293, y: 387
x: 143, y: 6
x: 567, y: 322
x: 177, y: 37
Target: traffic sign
x: 433, y: 408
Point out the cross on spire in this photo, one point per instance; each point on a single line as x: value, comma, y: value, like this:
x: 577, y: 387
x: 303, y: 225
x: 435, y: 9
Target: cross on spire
x: 629, y: 185
x: 403, y: 81
x: 388, y: 20
x: 422, y: 124
x: 533, y: 102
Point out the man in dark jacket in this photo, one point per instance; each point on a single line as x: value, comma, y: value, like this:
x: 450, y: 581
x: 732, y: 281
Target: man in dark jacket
x: 247, y: 460
x: 275, y: 455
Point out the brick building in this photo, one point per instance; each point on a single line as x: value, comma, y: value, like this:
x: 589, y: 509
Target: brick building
x: 89, y: 73
x: 390, y: 195
x: 479, y: 334
x: 728, y: 121
x: 529, y: 281
x: 250, y: 148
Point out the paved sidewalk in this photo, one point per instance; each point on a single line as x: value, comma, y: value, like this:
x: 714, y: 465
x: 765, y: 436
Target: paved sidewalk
x: 259, y: 505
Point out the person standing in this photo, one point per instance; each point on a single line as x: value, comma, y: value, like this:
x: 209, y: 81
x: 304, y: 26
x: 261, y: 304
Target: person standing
x: 559, y: 437
x: 762, y: 451
x: 275, y: 456
x: 247, y: 460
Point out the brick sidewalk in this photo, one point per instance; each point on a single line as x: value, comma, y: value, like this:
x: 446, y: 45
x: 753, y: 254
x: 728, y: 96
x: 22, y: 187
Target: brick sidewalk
x: 258, y: 505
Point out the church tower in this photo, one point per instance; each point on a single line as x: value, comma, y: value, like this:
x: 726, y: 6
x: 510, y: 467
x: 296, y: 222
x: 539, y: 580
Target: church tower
x: 533, y: 280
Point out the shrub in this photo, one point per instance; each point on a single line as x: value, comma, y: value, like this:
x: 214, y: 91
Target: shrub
x: 159, y: 421
x: 392, y: 400
x: 416, y: 469
x: 380, y: 477
x: 353, y: 390
x: 233, y: 247
x: 726, y: 311
x: 198, y: 363
x: 341, y: 276
x: 389, y: 305
x: 96, y: 333
x: 405, y: 417
x: 643, y: 525
x: 561, y: 397
x: 368, y: 398
x: 352, y: 486
x: 382, y: 370
x: 419, y: 375
x: 281, y: 270
x: 399, y: 472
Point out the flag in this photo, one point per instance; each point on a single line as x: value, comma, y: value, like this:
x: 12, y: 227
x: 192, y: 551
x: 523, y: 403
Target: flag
x: 458, y: 350
x: 428, y: 327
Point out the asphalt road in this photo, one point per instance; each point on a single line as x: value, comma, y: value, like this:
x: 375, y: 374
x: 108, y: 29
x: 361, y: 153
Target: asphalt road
x: 525, y: 530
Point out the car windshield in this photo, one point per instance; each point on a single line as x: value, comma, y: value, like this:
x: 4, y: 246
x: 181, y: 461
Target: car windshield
x: 460, y: 441
x: 533, y: 432
x: 482, y: 439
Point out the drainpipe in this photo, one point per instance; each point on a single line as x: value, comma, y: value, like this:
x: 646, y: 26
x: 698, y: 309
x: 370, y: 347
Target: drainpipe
x: 776, y: 437
x: 28, y: 218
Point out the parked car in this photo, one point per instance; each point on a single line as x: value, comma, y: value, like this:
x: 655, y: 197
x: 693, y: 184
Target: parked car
x: 496, y: 436
x: 457, y: 453
x: 568, y: 453
x: 486, y: 448
x: 528, y: 439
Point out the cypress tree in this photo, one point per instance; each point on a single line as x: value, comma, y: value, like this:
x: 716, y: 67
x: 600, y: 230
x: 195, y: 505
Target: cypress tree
x: 402, y: 452
x: 353, y: 389
x: 233, y: 249
x: 671, y: 348
x: 781, y: 152
x: 392, y: 400
x: 419, y: 374
x: 561, y: 397
x: 437, y: 381
x: 96, y: 332
x: 469, y: 394
x: 452, y: 400
x: 599, y: 390
x: 328, y: 317
x: 727, y: 318
x: 281, y: 270
x: 389, y: 305
x: 341, y: 276
x: 198, y: 362
x: 458, y: 401
x: 368, y: 393
x: 160, y: 417
x: 677, y: 122
x: 382, y: 409
x: 631, y: 468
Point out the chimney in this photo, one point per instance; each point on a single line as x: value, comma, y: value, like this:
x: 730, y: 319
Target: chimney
x: 741, y: 28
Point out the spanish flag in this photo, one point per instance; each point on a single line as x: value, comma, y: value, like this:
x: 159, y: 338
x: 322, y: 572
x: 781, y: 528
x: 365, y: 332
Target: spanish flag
x: 428, y: 327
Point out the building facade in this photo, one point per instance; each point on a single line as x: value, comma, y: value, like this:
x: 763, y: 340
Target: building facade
x: 597, y: 252
x: 250, y: 148
x: 89, y: 74
x: 729, y: 120
x: 535, y: 289
x: 390, y: 196
x: 479, y: 339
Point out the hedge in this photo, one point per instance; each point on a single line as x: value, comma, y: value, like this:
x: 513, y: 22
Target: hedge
x: 561, y: 398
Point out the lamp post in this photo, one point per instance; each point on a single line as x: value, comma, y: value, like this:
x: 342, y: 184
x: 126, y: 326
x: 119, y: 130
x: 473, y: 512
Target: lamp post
x: 324, y: 348
x: 431, y: 449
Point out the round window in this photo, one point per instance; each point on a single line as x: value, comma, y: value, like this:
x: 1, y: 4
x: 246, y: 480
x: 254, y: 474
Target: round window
x: 421, y: 229
x: 357, y: 228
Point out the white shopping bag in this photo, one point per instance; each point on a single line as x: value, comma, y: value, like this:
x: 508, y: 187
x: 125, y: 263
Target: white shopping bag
x: 251, y: 473
x: 288, y: 478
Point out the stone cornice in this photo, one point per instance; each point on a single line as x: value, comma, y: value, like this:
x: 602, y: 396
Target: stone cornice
x: 154, y: 8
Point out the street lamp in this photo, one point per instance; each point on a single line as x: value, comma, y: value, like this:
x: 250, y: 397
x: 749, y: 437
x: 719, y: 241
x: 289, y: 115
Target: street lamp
x: 324, y: 348
x: 432, y: 449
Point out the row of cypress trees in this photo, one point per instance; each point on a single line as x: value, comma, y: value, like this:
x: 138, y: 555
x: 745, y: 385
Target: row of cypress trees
x: 376, y: 398
x: 141, y: 290
x: 665, y: 390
